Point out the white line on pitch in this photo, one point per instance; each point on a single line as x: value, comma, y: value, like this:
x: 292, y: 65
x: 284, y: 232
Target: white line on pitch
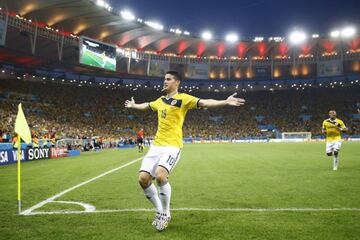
x: 88, y: 207
x: 206, y: 210
x: 52, y: 198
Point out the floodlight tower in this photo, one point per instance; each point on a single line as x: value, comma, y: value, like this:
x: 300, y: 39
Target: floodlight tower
x: 296, y: 38
x: 231, y: 38
x: 346, y: 32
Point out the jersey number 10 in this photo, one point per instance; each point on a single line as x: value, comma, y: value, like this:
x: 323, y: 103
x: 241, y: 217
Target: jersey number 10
x: 170, y: 160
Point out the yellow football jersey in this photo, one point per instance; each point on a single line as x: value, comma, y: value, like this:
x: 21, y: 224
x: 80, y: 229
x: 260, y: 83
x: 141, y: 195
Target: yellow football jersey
x: 171, y: 114
x: 333, y: 132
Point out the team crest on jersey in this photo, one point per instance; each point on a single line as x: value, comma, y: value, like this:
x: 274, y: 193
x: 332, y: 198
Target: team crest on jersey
x: 171, y: 101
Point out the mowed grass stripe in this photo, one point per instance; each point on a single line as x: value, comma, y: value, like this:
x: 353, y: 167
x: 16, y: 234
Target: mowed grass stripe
x: 248, y: 176
x: 208, y: 176
x: 44, y: 178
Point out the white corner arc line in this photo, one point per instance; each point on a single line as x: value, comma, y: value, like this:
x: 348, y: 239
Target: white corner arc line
x: 87, y: 207
x: 52, y: 198
x: 203, y: 210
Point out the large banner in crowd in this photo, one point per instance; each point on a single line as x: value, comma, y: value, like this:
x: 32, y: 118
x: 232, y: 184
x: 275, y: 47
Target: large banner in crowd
x: 329, y: 68
x: 57, y: 152
x: 10, y: 156
x: 198, y: 71
x: 158, y: 68
x: 2, y: 32
x: 38, y: 153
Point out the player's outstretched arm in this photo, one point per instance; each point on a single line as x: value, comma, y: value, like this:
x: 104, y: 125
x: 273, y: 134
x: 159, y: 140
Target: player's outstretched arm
x: 344, y: 129
x: 230, y: 101
x: 131, y: 104
x: 341, y: 126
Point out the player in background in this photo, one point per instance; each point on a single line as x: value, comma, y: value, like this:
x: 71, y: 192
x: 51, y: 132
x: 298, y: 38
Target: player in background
x: 333, y: 127
x: 53, y: 138
x: 140, y: 140
x: 165, y: 151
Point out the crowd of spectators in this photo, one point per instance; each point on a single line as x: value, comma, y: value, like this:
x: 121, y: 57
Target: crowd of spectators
x: 85, y: 112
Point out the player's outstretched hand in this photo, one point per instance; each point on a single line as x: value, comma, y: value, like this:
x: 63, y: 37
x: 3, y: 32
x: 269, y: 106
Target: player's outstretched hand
x: 130, y: 103
x: 234, y: 101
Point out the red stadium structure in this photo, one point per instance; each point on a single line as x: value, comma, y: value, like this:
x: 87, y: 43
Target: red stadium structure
x: 46, y: 34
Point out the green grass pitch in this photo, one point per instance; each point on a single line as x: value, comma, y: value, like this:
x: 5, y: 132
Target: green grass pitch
x: 208, y: 176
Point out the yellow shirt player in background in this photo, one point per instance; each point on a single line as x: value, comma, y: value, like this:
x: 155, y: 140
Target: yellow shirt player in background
x: 333, y: 127
x: 165, y: 152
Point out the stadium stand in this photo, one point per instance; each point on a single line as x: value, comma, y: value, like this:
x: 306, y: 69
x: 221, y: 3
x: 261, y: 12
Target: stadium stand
x: 288, y: 87
x: 85, y: 112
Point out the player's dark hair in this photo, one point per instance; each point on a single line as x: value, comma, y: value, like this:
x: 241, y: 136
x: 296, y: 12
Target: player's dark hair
x: 176, y: 75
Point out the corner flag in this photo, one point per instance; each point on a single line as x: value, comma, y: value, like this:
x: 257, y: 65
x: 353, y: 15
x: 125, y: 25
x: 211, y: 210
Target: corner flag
x: 23, y: 131
x: 21, y: 126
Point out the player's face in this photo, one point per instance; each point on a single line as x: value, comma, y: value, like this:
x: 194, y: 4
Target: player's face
x: 332, y: 114
x: 170, y: 83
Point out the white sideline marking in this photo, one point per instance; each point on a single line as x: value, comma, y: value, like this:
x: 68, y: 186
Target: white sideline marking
x: 205, y: 210
x: 52, y: 198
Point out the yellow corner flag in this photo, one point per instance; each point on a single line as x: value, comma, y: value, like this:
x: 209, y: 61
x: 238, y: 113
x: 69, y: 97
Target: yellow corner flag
x: 21, y: 126
x: 23, y: 131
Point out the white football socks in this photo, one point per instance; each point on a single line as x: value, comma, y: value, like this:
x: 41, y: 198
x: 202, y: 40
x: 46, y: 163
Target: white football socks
x: 151, y: 193
x: 165, y: 195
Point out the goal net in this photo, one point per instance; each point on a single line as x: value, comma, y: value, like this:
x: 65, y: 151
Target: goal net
x: 296, y: 136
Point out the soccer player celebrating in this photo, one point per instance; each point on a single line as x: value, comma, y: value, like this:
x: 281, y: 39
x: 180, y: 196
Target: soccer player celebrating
x: 140, y: 140
x: 164, y: 154
x: 333, y: 127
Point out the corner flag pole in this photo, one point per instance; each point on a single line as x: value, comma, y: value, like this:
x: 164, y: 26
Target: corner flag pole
x: 23, y: 131
x: 19, y: 172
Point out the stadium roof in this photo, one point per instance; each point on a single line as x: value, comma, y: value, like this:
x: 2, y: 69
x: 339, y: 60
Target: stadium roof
x: 85, y: 17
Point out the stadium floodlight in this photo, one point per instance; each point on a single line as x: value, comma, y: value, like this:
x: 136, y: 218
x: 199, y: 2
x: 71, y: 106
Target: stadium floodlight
x: 154, y: 25
x: 278, y: 39
x: 335, y: 33
x: 297, y: 37
x: 258, y: 39
x: 108, y: 7
x: 231, y: 38
x: 348, y: 32
x: 100, y: 3
x: 315, y: 35
x: 103, y: 4
x: 127, y: 15
x: 206, y: 35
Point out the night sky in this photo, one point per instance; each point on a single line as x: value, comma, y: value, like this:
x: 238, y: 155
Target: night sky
x: 248, y: 18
